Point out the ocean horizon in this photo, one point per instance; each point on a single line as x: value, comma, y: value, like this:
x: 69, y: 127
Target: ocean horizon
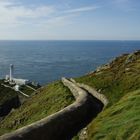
x: 45, y: 61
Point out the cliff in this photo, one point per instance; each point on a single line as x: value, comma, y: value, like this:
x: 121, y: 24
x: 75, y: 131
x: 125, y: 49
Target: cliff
x: 118, y: 81
x: 8, y: 105
x: 8, y: 99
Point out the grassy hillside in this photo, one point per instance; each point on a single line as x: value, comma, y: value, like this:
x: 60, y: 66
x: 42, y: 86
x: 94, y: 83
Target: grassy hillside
x: 120, y: 82
x: 9, y: 98
x: 119, y: 122
x: 6, y: 94
x: 26, y: 90
x: 47, y: 100
x: 117, y: 78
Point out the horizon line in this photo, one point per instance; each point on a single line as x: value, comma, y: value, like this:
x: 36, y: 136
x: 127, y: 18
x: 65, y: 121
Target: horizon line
x: 70, y: 40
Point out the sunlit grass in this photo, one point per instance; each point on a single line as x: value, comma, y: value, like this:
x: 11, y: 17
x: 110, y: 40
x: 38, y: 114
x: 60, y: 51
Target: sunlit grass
x: 48, y: 100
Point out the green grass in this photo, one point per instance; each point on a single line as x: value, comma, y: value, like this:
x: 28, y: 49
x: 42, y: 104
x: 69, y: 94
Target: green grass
x: 120, y: 120
x: 115, y: 81
x: 26, y: 90
x: 48, y: 100
x: 6, y: 94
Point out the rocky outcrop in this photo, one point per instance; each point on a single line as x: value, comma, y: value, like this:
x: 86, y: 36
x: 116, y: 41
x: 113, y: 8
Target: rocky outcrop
x: 132, y: 57
x: 64, y: 124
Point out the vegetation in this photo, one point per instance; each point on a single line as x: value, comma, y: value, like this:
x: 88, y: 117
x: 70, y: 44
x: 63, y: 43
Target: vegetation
x: 6, y: 94
x: 48, y: 100
x: 26, y: 90
x: 34, y: 85
x: 119, y: 122
x: 119, y: 78
x: 120, y: 82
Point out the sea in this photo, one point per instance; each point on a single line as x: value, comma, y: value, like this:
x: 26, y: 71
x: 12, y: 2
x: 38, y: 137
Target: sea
x: 47, y: 61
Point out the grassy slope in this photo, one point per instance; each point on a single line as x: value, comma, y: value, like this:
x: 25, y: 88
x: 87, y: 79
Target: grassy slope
x: 6, y: 94
x: 27, y: 90
x: 120, y: 83
x: 121, y: 78
x: 48, y: 100
x: 119, y: 122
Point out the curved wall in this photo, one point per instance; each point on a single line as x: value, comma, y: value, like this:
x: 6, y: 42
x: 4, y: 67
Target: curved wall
x: 64, y: 124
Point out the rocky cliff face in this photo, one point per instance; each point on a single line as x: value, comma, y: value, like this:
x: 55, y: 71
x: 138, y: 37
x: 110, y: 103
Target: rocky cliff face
x: 7, y: 106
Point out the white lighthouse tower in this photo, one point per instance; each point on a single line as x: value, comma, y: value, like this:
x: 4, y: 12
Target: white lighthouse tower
x: 12, y: 80
x: 11, y: 72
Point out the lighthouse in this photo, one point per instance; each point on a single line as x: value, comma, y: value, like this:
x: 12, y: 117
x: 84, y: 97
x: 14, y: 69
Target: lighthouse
x: 12, y: 80
x: 11, y: 72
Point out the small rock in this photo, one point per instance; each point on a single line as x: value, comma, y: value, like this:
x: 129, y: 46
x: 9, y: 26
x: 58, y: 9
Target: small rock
x: 127, y: 69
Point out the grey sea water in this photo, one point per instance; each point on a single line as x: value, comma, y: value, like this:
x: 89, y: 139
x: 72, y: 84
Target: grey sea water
x: 46, y: 61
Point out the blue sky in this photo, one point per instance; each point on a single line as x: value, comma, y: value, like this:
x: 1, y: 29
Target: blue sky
x: 69, y: 19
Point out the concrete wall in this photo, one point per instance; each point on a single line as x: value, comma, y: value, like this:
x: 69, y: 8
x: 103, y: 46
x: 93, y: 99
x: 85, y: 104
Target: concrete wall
x: 64, y: 124
x: 92, y: 91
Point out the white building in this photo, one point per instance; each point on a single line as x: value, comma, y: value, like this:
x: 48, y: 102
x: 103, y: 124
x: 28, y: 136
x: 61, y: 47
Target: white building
x: 7, y: 77
x: 16, y: 87
x: 20, y: 81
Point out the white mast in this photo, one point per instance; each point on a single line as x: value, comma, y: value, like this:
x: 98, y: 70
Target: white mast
x: 11, y: 72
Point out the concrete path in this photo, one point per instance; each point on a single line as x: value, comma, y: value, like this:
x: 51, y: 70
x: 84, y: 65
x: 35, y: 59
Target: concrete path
x: 23, y: 93
x: 31, y: 87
